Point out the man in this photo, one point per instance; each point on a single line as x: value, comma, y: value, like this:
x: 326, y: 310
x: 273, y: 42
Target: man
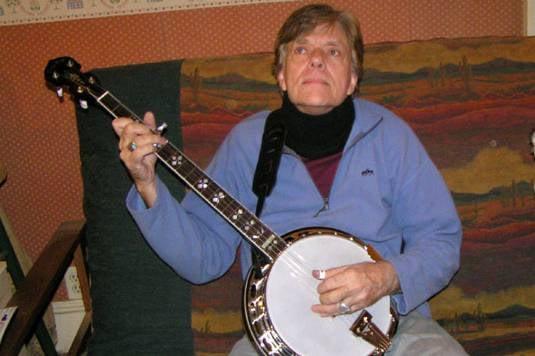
x: 347, y: 164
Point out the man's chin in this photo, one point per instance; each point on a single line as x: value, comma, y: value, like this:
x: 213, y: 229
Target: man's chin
x: 314, y: 108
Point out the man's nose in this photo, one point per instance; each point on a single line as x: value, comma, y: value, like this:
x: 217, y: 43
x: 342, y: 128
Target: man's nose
x: 317, y: 58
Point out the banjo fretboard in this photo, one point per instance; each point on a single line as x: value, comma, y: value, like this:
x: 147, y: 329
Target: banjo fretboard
x: 238, y: 216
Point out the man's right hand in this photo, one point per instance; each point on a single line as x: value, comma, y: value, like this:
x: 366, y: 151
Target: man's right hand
x: 137, y: 145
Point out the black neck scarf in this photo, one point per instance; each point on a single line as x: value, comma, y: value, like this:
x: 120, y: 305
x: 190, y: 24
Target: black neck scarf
x: 317, y: 136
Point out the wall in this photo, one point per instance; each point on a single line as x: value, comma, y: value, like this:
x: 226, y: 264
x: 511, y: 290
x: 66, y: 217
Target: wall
x: 38, y: 138
x: 530, y: 17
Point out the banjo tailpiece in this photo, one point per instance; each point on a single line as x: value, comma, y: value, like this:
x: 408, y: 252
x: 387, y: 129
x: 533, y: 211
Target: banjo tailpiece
x: 366, y: 329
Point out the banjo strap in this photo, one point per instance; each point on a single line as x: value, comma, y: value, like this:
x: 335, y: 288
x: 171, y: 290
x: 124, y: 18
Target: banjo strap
x: 269, y: 158
x: 267, y: 167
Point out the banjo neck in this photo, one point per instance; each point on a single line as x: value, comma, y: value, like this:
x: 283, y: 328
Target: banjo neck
x: 65, y: 72
x: 245, y: 222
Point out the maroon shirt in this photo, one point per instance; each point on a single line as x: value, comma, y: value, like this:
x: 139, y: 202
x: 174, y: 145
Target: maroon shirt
x: 322, y: 171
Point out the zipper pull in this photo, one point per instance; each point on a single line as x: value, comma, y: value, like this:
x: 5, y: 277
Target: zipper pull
x: 325, y: 207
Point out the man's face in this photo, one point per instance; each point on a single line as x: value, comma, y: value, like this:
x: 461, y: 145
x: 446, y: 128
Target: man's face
x: 317, y: 72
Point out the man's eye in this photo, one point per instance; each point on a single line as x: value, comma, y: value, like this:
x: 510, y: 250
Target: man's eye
x: 334, y: 52
x: 300, y: 50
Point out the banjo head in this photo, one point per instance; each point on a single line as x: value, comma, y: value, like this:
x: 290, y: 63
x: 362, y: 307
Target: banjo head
x: 288, y: 291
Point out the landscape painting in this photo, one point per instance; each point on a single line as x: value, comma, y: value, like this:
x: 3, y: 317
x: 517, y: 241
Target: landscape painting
x: 472, y: 104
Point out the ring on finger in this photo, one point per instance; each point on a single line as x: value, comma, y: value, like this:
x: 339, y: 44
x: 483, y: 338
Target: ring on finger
x: 132, y: 146
x: 343, y: 308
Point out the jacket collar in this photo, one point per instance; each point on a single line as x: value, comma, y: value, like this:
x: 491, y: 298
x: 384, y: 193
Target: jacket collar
x: 366, y: 120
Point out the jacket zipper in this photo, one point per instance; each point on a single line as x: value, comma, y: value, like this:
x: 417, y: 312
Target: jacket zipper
x: 325, y: 205
x: 324, y: 208
x: 357, y: 138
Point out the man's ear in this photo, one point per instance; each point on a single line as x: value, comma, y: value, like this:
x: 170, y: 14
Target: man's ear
x: 281, y: 80
x: 353, y: 83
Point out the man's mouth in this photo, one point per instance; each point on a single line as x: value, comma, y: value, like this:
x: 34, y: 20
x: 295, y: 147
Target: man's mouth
x: 315, y: 81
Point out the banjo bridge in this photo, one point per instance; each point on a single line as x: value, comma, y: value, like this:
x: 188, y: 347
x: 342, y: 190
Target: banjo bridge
x: 366, y: 329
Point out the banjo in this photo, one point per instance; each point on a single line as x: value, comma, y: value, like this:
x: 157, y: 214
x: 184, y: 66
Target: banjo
x: 278, y: 294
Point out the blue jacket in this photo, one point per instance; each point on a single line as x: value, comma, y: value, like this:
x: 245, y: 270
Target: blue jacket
x: 387, y: 192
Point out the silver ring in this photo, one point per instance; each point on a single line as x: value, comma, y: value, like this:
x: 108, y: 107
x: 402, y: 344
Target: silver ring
x: 132, y: 146
x: 343, y: 308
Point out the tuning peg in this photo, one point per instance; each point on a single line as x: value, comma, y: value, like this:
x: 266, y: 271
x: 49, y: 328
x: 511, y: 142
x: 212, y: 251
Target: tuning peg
x: 161, y: 128
x: 59, y: 92
x: 83, y: 104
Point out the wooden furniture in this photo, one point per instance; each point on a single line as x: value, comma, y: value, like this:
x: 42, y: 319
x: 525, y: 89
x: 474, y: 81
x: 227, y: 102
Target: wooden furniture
x: 39, y: 287
x: 35, y: 290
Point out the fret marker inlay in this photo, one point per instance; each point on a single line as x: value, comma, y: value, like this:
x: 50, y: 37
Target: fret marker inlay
x: 202, y: 183
x: 218, y: 197
x: 237, y: 214
x: 176, y: 161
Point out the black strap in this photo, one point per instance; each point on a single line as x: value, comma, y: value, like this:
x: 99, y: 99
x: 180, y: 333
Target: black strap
x: 269, y: 158
x: 266, y: 171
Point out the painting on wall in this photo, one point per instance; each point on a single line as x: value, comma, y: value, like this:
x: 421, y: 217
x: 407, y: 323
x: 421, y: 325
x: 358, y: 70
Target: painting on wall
x: 472, y: 104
